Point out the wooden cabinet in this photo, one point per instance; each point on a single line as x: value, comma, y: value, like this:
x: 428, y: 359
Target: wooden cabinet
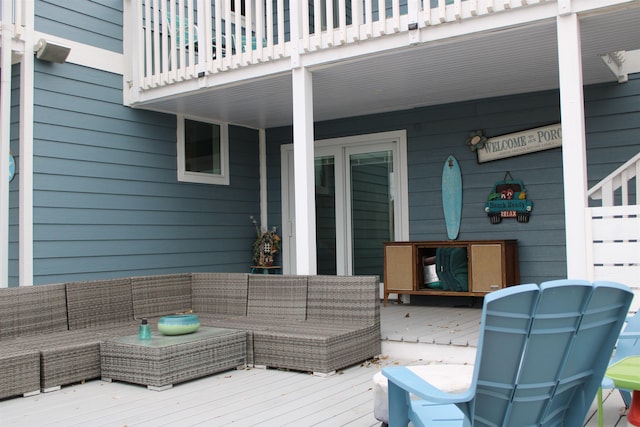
x: 411, y: 267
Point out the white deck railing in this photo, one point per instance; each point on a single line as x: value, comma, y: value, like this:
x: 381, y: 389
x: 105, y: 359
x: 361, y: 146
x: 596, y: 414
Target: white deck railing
x: 182, y: 39
x: 16, y: 15
x: 615, y: 226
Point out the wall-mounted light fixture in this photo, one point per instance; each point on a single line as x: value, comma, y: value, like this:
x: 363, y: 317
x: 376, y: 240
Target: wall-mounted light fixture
x: 51, y: 52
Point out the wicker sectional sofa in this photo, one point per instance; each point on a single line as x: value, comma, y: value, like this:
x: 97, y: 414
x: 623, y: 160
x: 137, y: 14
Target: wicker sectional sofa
x: 50, y: 335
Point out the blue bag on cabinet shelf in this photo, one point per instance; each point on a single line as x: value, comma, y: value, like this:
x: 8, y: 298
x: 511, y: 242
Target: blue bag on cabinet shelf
x: 452, y: 267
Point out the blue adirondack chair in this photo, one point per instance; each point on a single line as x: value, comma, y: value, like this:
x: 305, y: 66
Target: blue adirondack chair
x: 542, y: 354
x: 628, y: 345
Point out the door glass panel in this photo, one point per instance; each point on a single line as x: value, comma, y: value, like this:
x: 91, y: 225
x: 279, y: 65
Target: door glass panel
x: 325, y: 179
x: 371, y: 209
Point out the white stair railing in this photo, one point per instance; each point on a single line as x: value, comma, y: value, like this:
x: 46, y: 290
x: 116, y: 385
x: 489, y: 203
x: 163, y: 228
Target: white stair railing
x: 614, y: 227
x: 614, y: 190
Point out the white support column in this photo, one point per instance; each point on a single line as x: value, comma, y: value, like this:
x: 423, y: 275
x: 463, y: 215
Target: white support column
x: 262, y: 150
x: 25, y: 233
x: 295, y: 31
x: 574, y: 159
x: 303, y: 159
x: 5, y: 135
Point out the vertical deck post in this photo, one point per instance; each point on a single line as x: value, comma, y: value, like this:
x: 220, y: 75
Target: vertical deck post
x: 303, y: 156
x: 304, y: 186
x: 574, y: 159
x: 25, y: 229
x: 262, y: 149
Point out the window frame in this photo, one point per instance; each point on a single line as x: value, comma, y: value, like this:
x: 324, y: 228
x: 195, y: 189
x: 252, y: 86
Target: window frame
x: 202, y: 177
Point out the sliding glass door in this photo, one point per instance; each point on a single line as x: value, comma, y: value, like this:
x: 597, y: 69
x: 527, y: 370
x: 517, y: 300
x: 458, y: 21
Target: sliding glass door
x: 370, y: 209
x: 357, y: 203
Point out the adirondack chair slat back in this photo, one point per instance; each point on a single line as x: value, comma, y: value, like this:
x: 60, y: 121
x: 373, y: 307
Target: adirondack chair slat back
x: 601, y: 323
x: 536, y: 363
x: 507, y: 322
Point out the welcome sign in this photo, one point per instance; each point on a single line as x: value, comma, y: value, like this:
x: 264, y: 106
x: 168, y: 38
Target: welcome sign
x: 516, y: 144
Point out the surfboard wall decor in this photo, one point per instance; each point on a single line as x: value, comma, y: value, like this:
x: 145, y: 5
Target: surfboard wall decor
x: 452, y: 196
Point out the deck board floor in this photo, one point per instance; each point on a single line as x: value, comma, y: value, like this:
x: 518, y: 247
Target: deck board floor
x: 267, y: 397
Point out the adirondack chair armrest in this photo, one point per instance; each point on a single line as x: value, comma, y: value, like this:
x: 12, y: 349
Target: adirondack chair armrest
x: 629, y: 335
x: 412, y: 383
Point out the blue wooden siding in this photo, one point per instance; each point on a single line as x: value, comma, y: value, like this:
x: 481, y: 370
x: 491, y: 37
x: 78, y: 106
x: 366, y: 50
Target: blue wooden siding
x: 613, y: 132
x: 97, y: 22
x: 106, y: 199
x: 443, y: 130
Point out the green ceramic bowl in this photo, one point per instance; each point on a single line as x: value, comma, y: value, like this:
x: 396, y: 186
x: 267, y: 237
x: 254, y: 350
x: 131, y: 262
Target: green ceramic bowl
x: 178, y: 324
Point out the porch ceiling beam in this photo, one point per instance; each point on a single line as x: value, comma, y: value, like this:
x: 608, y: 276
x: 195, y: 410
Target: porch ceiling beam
x: 615, y: 61
x: 622, y: 63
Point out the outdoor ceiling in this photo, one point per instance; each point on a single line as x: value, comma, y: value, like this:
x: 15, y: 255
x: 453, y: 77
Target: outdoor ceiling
x: 506, y: 62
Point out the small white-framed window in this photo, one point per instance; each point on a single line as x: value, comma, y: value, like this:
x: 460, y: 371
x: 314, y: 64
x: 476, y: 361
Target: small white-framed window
x: 203, y: 151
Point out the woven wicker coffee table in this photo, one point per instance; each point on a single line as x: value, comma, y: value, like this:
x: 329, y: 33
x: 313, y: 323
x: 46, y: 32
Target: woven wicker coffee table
x: 166, y: 360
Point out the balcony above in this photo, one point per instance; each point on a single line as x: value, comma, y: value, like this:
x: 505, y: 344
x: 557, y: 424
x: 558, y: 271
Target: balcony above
x: 203, y: 58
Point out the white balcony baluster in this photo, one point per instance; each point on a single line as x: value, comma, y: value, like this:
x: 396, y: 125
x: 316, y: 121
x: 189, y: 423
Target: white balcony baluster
x: 181, y: 39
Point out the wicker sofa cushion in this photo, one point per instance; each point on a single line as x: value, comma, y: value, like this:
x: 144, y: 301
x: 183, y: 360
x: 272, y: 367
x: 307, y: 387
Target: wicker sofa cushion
x: 155, y: 296
x: 99, y: 303
x: 67, y: 357
x: 280, y: 297
x: 19, y: 371
x: 219, y: 293
x: 30, y: 310
x: 345, y: 299
x: 315, y: 348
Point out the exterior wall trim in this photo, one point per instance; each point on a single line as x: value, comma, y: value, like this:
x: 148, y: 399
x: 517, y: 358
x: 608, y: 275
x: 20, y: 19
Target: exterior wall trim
x: 5, y: 135
x: 86, y: 55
